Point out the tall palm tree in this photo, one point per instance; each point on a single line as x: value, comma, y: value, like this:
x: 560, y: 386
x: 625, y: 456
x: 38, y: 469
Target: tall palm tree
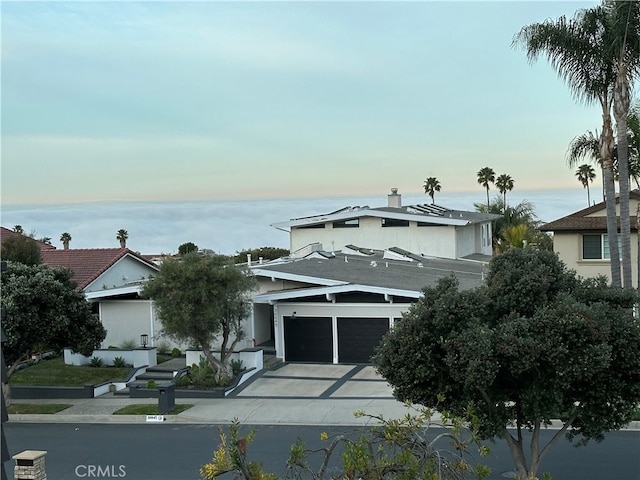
x: 624, y: 48
x: 504, y: 183
x: 585, y: 147
x: 486, y: 176
x: 578, y: 49
x: 586, y: 174
x: 65, y: 238
x: 431, y: 186
x: 122, y: 236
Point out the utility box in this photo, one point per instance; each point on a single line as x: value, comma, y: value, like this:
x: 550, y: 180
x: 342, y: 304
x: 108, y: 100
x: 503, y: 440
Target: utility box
x: 30, y: 465
x: 166, y: 398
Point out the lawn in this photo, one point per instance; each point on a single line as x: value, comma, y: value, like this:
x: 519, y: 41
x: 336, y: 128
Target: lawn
x: 55, y: 372
x: 36, y: 408
x: 148, y: 409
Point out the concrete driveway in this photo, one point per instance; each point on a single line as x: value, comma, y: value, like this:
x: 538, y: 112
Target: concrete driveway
x: 305, y: 380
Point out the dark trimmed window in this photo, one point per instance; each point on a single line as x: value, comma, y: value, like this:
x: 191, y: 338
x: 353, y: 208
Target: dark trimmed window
x: 392, y: 222
x: 596, y: 246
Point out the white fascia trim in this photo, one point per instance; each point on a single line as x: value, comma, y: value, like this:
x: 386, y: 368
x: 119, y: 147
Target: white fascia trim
x: 274, y: 274
x: 112, y: 292
x: 311, y: 292
x: 444, y: 220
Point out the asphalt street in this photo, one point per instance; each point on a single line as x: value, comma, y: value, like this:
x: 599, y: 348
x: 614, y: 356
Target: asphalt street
x: 176, y: 451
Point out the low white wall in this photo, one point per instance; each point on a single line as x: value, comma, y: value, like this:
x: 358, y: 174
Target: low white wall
x: 251, y: 358
x: 137, y: 357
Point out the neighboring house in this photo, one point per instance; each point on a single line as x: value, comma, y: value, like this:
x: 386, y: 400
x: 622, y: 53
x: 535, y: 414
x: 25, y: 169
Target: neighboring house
x: 426, y: 230
x: 111, y: 279
x: 581, y: 242
x: 6, y: 233
x: 334, y: 308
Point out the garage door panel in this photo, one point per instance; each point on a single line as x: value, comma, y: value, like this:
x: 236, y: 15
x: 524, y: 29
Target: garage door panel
x: 308, y: 339
x: 358, y: 337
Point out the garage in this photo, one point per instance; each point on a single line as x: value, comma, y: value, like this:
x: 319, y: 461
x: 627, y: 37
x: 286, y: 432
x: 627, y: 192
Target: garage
x: 308, y: 339
x: 358, y: 337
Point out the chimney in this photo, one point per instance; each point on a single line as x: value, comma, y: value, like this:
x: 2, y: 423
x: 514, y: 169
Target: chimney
x: 395, y: 199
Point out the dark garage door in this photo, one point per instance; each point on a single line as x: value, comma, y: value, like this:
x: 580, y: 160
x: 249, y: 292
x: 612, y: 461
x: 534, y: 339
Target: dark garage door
x: 308, y: 339
x: 357, y: 337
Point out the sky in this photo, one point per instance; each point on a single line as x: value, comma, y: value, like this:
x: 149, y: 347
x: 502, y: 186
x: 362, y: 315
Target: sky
x: 191, y: 101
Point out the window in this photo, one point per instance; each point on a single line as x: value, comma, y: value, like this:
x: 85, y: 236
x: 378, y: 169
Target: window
x: 351, y: 223
x: 391, y: 222
x: 596, y: 246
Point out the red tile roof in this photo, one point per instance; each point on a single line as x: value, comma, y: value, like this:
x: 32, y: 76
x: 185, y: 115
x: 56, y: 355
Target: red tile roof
x: 6, y: 233
x: 89, y: 263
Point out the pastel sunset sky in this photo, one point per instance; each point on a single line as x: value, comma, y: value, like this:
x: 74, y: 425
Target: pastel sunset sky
x: 120, y: 101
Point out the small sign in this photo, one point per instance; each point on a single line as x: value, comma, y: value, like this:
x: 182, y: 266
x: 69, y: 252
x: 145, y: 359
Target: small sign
x: 155, y: 418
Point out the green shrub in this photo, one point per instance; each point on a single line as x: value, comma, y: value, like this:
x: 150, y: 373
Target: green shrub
x: 95, y: 362
x: 152, y: 384
x: 236, y: 367
x: 113, y: 347
x: 163, y: 347
x: 175, y: 352
x: 119, y: 362
x: 202, y: 374
x: 128, y: 344
x: 183, y: 381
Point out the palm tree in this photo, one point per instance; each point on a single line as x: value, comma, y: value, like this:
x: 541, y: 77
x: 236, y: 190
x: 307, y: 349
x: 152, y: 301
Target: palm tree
x: 585, y: 146
x: 504, y: 183
x: 624, y: 48
x: 431, y: 186
x: 65, y: 238
x: 486, y: 176
x: 586, y: 174
x: 578, y: 49
x: 18, y: 229
x: 122, y: 236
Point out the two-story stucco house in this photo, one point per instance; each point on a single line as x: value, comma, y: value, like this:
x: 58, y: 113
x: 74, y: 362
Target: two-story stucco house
x: 426, y: 230
x: 581, y: 242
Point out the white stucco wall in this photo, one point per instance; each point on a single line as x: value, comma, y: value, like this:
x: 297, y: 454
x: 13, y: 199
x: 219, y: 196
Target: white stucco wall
x: 126, y: 320
x: 436, y: 241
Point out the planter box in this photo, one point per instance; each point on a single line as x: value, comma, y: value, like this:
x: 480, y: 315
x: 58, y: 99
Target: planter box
x: 136, y: 357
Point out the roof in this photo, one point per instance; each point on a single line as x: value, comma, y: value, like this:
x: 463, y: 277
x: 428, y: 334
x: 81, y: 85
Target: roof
x: 88, y: 264
x: 6, y: 233
x: 581, y: 220
x: 424, y: 213
x: 374, y: 271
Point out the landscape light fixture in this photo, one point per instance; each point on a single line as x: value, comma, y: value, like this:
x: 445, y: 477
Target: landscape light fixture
x: 144, y: 339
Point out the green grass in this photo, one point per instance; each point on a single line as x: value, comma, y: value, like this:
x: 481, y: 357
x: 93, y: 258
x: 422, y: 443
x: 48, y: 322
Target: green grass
x: 636, y: 415
x: 163, y: 358
x: 148, y: 409
x: 55, y: 373
x: 32, y: 408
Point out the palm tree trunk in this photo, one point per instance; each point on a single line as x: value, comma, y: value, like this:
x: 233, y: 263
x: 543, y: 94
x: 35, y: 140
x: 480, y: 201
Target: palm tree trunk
x: 606, y: 150
x: 621, y: 109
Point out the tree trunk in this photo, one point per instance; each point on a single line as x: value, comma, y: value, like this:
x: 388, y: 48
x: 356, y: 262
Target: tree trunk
x: 606, y: 150
x: 621, y: 110
x: 638, y: 242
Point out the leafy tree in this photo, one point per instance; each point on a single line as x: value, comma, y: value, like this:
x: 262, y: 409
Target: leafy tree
x: 46, y: 312
x: 486, y: 176
x: 122, y: 237
x: 65, y: 238
x: 586, y: 174
x: 201, y: 299
x: 187, y: 248
x: 20, y: 248
x: 392, y: 449
x: 267, y: 253
x: 535, y: 343
x: 431, y: 186
x: 504, y: 183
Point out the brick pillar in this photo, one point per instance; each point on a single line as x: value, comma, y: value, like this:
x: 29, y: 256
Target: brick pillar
x: 30, y: 465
